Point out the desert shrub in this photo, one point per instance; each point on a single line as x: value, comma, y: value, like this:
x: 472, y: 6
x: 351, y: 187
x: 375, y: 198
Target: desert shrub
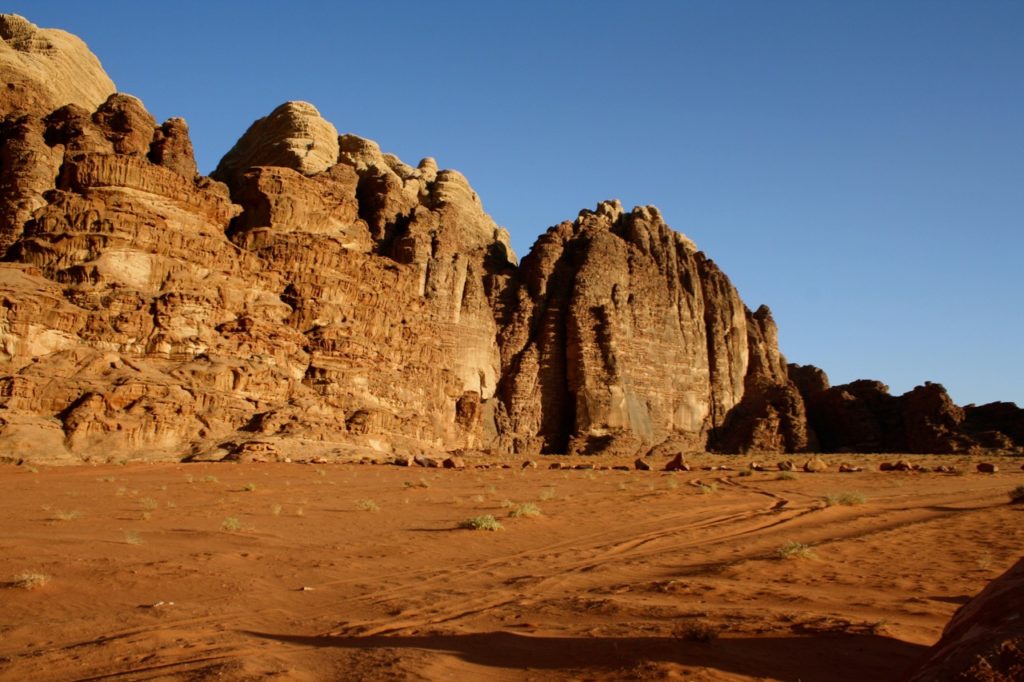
x: 249, y: 487
x: 847, y: 498
x: 527, y: 509
x: 149, y: 503
x: 231, y: 524
x: 132, y: 538
x: 367, y: 505
x: 547, y: 493
x: 695, y: 631
x: 786, y: 476
x: 66, y: 515
x: 794, y: 550
x: 30, y: 580
x: 707, y: 488
x: 484, y: 522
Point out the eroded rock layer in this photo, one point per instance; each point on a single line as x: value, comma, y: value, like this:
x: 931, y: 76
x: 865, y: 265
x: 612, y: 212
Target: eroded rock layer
x: 322, y: 297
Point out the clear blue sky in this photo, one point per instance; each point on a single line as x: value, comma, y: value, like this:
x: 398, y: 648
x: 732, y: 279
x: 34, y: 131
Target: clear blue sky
x: 856, y: 165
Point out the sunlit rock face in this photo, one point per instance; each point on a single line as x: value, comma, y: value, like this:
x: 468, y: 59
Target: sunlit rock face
x: 622, y: 336
x: 318, y: 297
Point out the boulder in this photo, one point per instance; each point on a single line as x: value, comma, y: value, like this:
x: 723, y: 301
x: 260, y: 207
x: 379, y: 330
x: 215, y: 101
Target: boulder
x: 985, y: 638
x: 677, y: 463
x: 815, y: 465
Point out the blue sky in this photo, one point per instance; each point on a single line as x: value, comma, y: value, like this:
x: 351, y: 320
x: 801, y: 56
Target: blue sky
x: 858, y: 166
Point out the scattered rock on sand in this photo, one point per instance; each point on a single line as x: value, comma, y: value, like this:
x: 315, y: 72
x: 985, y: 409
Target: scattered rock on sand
x: 641, y: 465
x: 987, y: 467
x: 787, y: 465
x: 454, y: 462
x: 677, y: 463
x: 815, y: 465
x: 845, y: 468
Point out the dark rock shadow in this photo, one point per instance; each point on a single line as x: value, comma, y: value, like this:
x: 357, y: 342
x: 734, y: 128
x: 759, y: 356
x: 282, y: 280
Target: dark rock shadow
x: 836, y: 657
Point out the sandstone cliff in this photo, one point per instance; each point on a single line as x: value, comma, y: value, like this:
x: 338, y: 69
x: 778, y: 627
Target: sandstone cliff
x: 620, y: 335
x: 322, y: 297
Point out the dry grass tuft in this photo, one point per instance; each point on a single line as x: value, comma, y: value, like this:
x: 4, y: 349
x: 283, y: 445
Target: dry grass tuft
x: 526, y: 509
x: 795, y: 550
x: 847, y: 498
x: 30, y: 580
x: 484, y: 522
x: 695, y: 631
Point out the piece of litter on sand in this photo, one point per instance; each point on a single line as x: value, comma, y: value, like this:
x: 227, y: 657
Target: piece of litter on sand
x: 305, y: 589
x: 157, y: 605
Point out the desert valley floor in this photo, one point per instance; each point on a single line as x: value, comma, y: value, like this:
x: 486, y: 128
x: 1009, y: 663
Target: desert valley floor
x: 361, y: 572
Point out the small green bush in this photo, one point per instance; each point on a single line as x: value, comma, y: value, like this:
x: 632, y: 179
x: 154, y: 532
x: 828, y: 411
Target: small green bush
x: 527, y: 509
x: 367, y: 505
x: 485, y: 522
x: 794, y: 550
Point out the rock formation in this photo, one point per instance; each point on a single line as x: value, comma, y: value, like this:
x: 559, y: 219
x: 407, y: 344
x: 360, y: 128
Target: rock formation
x: 618, y: 334
x: 318, y: 295
x: 45, y: 68
x: 863, y: 417
x: 984, y: 640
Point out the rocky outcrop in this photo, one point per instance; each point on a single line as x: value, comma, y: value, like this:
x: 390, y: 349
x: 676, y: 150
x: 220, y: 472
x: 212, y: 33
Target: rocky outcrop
x: 984, y: 640
x: 320, y: 296
x: 292, y: 136
x: 619, y: 335
x: 46, y: 68
x: 862, y: 416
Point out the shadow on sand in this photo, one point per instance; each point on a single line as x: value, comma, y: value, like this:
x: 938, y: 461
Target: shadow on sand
x: 837, y: 657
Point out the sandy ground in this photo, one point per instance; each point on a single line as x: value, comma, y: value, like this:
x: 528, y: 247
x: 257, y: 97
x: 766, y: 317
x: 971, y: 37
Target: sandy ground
x: 360, y: 572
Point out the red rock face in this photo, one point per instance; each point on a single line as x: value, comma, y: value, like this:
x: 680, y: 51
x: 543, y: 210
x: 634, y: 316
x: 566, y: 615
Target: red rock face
x: 623, y: 336
x: 984, y: 641
x: 319, y: 297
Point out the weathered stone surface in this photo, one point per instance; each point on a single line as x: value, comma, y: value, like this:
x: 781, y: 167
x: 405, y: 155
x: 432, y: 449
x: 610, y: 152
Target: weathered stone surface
x: 322, y: 299
x: 619, y: 336
x: 984, y: 640
x: 172, y: 148
x: 294, y: 135
x: 45, y: 68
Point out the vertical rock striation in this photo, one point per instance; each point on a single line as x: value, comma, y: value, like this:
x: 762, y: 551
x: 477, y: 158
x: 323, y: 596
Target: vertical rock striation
x: 623, y: 337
